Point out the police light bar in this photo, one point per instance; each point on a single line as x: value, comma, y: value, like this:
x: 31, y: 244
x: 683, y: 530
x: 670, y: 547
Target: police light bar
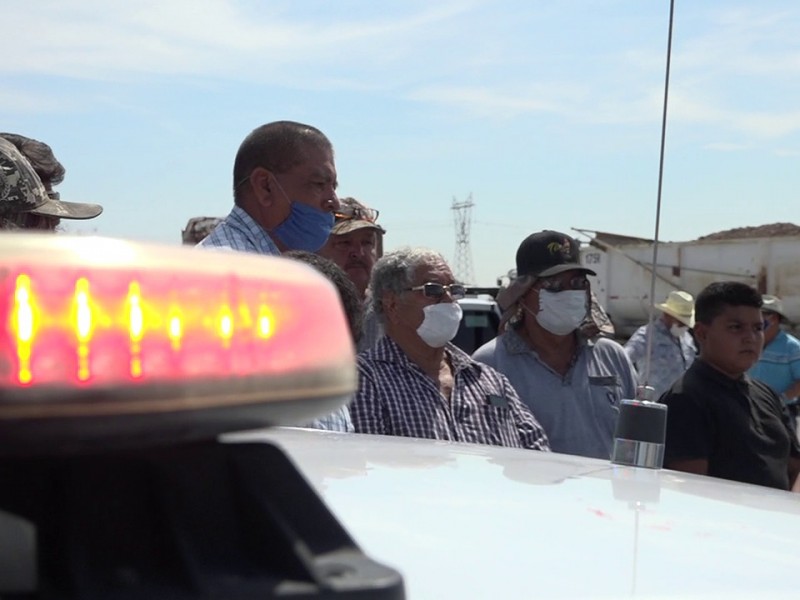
x: 110, y: 340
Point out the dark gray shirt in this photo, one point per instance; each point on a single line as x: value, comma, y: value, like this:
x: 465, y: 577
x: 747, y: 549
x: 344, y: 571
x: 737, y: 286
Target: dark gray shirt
x: 578, y: 410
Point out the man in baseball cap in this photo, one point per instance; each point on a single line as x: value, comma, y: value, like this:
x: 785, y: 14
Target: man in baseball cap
x: 28, y: 170
x: 549, y: 253
x: 572, y: 384
x: 355, y: 243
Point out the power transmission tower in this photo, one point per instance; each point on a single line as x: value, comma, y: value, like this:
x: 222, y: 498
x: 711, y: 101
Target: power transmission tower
x: 462, y: 212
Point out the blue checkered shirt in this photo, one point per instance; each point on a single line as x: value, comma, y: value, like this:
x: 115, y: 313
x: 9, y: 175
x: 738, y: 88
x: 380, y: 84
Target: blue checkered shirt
x: 239, y: 231
x: 395, y: 397
x: 669, y: 358
x: 336, y: 421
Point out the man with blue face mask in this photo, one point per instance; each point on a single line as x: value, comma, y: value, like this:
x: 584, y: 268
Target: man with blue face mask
x: 414, y: 382
x: 284, y: 191
x: 572, y: 384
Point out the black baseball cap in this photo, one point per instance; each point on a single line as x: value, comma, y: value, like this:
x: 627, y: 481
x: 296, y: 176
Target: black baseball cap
x: 549, y: 253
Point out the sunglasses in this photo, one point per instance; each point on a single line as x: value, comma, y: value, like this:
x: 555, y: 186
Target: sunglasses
x: 579, y: 282
x: 356, y: 213
x: 437, y: 290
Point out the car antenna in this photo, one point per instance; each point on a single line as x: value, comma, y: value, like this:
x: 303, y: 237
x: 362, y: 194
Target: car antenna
x: 640, y: 434
x: 648, y: 354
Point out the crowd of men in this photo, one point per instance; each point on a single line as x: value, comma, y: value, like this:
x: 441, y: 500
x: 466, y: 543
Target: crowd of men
x: 552, y: 379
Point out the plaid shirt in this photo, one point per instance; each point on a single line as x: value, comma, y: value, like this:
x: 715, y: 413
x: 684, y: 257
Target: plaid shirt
x: 339, y: 420
x: 238, y: 231
x: 395, y: 397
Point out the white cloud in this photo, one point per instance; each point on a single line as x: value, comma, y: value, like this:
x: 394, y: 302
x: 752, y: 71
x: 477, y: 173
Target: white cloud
x: 688, y: 107
x: 497, y: 103
x: 98, y: 39
x: 734, y: 68
x: 726, y: 146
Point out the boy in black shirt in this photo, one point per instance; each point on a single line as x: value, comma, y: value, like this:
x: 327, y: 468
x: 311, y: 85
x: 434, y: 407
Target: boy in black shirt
x: 721, y: 422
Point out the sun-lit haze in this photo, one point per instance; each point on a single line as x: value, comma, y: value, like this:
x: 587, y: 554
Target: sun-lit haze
x: 547, y: 113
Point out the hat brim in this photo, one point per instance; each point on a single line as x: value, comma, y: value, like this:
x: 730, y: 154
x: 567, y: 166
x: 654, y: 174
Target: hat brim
x: 687, y: 320
x: 67, y: 210
x: 555, y: 270
x: 351, y: 225
x: 781, y: 314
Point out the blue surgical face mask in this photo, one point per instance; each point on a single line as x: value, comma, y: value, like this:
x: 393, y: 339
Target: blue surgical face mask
x: 306, y: 228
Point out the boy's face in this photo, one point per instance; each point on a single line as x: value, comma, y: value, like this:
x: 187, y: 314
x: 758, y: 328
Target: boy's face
x: 732, y: 342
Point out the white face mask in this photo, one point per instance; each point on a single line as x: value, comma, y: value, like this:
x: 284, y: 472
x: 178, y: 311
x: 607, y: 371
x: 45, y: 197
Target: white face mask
x: 440, y: 323
x: 677, y: 331
x: 561, y: 313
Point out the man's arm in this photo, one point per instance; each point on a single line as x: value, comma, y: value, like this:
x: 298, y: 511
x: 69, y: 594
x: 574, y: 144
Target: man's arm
x: 531, y: 433
x: 635, y: 346
x: 688, y: 439
x: 366, y: 411
x: 793, y: 391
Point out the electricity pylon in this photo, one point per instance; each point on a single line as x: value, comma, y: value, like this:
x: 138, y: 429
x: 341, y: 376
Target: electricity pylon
x: 462, y: 263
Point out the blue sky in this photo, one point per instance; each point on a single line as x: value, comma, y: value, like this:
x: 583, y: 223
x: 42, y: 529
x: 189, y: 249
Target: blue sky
x: 547, y: 113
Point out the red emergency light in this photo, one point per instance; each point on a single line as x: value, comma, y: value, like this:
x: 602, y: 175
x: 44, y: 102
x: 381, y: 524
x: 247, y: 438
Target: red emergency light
x: 97, y: 328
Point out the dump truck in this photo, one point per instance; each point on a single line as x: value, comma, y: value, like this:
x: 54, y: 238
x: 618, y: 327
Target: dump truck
x: 766, y: 257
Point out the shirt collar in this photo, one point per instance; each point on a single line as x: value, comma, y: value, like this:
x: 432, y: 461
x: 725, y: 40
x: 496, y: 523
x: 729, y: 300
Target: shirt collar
x: 249, y: 225
x: 387, y: 350
x: 515, y: 344
x: 718, y: 377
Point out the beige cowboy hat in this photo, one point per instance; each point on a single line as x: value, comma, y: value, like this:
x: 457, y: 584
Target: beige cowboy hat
x: 679, y: 305
x: 775, y: 305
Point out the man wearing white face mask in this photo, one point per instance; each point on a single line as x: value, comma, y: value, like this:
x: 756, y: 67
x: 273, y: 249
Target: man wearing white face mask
x: 573, y: 385
x: 673, y: 350
x: 414, y: 382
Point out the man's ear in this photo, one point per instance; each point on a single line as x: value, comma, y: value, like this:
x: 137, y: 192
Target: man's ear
x: 262, y: 186
x: 390, y: 302
x: 700, y: 331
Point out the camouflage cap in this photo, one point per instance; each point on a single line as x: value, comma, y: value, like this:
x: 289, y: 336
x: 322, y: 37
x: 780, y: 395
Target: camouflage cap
x: 198, y: 228
x: 22, y: 191
x: 353, y: 215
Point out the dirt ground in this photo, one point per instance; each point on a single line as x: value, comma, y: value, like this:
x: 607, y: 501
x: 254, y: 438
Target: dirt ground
x: 771, y: 230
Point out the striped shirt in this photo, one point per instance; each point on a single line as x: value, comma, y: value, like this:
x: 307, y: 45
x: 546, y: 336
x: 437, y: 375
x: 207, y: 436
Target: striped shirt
x: 395, y: 397
x: 239, y: 231
x: 779, y: 365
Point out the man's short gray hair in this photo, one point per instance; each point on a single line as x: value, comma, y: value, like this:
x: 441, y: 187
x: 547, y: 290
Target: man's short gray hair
x: 394, y: 272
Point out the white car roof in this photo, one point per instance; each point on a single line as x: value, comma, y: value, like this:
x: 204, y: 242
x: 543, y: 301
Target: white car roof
x: 473, y: 521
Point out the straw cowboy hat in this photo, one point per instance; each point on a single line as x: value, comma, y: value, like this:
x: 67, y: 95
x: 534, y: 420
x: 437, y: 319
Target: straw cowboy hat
x: 775, y: 305
x: 679, y: 305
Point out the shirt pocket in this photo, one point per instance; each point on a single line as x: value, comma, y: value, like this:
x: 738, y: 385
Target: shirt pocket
x: 606, y: 391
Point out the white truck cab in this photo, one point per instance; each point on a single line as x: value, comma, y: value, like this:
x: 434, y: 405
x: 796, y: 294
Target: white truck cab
x: 144, y: 453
